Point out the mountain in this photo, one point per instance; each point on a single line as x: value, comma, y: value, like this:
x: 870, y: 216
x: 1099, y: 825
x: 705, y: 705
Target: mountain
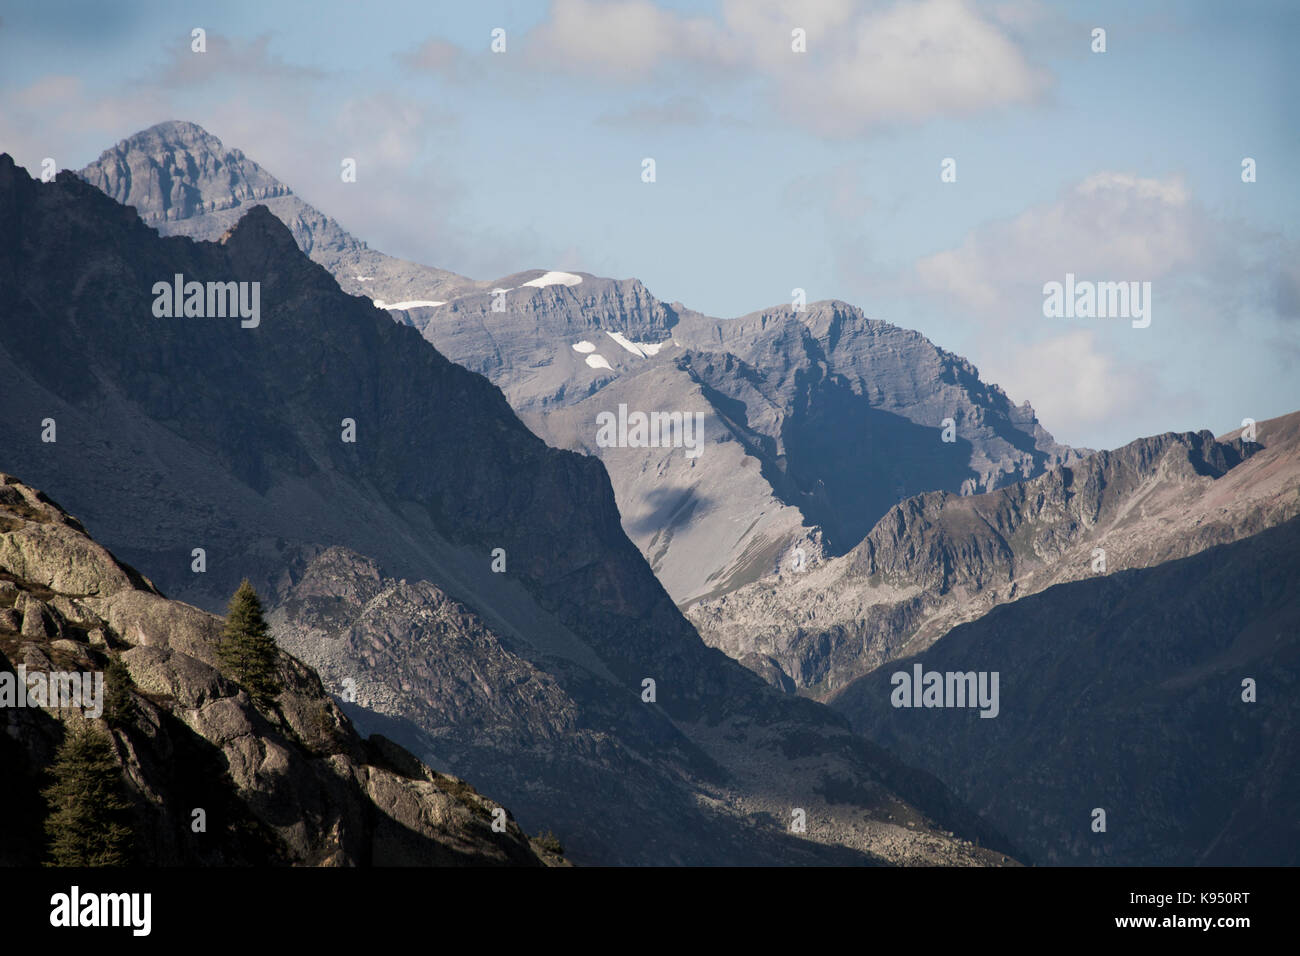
x: 1124, y: 693
x: 183, y: 181
x: 179, y: 434
x: 801, y: 409
x: 1123, y: 603
x: 938, y: 560
x: 289, y: 783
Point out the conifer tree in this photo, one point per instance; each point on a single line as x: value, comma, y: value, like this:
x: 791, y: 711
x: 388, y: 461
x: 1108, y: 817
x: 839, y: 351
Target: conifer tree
x: 119, y: 705
x: 247, y: 648
x: 90, y: 821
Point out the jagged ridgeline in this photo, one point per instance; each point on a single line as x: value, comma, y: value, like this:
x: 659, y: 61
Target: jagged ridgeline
x: 814, y: 422
x: 937, y: 560
x: 459, y: 585
x: 1143, y: 609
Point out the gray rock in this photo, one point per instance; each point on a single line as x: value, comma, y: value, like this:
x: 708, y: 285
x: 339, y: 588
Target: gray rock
x: 292, y: 784
x: 38, y: 622
x: 939, y: 559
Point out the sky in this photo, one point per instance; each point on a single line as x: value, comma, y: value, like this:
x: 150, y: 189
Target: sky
x: 775, y: 169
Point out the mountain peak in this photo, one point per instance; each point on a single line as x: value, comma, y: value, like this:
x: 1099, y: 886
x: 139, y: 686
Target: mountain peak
x: 259, y: 226
x: 176, y: 132
x: 176, y: 170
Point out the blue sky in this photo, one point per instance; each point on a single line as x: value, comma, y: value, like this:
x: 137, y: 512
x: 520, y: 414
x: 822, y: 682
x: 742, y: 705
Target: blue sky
x: 775, y: 169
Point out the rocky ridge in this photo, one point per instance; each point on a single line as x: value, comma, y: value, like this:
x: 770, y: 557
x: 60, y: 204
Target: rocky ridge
x: 937, y: 560
x: 801, y: 408
x: 290, y: 783
x: 1163, y: 696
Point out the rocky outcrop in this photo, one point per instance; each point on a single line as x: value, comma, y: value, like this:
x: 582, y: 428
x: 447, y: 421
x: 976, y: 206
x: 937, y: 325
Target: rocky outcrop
x: 177, y: 170
x: 937, y: 560
x: 412, y: 662
x: 287, y: 783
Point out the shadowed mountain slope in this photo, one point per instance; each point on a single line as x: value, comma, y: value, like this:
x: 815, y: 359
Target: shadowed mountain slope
x: 816, y: 422
x: 175, y: 434
x: 1126, y: 693
x: 937, y: 560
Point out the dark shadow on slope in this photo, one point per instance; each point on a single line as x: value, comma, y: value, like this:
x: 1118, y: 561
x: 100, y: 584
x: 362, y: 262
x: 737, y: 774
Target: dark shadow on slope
x: 671, y: 827
x: 847, y: 464
x: 1124, y: 692
x: 671, y: 508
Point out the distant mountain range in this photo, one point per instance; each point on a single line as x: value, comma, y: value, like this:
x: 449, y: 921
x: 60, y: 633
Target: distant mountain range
x: 937, y: 560
x: 1161, y: 689
x: 1123, y: 601
x: 497, y: 576
x: 565, y: 682
x: 816, y: 422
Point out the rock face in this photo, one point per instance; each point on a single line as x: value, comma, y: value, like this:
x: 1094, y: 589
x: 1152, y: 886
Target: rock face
x: 937, y: 560
x: 429, y: 671
x: 815, y: 422
x: 291, y: 783
x: 1126, y: 693
x: 196, y: 433
x: 1123, y: 601
x: 183, y: 181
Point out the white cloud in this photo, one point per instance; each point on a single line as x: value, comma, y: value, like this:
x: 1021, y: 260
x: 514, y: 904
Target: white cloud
x: 242, y: 58
x: 1074, y: 386
x: 626, y: 39
x: 1222, y: 297
x: 57, y: 116
x: 865, y: 65
x: 437, y: 56
x: 1110, y: 226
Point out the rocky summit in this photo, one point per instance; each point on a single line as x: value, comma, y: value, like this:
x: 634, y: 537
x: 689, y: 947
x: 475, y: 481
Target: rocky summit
x: 937, y: 560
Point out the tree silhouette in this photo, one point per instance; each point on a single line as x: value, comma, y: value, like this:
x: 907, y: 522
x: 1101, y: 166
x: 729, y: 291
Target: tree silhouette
x: 119, y: 705
x: 247, y: 649
x: 90, y: 820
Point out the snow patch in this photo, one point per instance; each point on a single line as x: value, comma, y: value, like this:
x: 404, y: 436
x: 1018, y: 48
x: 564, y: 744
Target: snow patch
x: 363, y: 278
x: 411, y: 304
x: 598, y: 361
x: 584, y: 347
x: 639, y: 349
x: 554, y: 278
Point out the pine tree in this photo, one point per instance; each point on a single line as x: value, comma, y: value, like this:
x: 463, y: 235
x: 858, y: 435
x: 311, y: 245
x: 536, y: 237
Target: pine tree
x: 119, y: 705
x: 90, y: 821
x: 247, y: 648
